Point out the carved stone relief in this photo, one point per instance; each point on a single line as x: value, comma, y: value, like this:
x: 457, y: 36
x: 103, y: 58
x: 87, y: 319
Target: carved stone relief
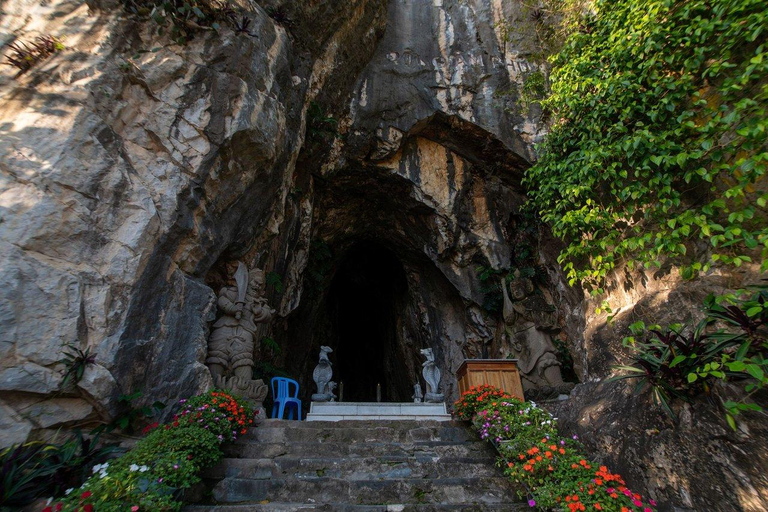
x: 529, y: 320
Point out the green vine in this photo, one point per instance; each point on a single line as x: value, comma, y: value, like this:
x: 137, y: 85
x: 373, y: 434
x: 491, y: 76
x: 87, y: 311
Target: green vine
x: 660, y: 140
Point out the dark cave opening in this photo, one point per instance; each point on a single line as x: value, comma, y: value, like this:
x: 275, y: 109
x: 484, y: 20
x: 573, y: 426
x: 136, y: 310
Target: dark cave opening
x: 366, y: 301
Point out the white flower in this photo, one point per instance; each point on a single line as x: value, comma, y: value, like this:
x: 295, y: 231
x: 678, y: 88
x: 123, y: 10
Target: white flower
x: 133, y: 467
x: 48, y: 502
x: 143, y: 469
x: 66, y: 493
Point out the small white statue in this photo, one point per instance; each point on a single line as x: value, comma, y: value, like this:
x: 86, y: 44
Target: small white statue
x: 322, y: 376
x: 417, y: 394
x: 431, y: 375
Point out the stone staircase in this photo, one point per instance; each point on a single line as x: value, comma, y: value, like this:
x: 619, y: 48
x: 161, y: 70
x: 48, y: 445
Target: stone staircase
x: 358, y: 465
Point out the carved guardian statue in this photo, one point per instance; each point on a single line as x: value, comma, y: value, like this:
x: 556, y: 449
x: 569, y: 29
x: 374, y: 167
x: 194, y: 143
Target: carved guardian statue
x: 230, y: 348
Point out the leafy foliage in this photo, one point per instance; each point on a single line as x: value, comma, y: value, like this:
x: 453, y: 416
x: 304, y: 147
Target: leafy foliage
x: 320, y: 127
x: 475, y: 398
x: 32, y: 470
x: 24, y: 55
x: 169, y: 459
x: 132, y: 415
x: 660, y: 138
x: 276, y: 280
x: 281, y: 16
x: 184, y: 18
x: 76, y: 360
x: 551, y: 469
x: 21, y: 472
x: 678, y: 366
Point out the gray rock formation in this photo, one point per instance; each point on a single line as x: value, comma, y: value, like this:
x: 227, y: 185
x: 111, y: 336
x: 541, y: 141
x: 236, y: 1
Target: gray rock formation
x: 127, y: 174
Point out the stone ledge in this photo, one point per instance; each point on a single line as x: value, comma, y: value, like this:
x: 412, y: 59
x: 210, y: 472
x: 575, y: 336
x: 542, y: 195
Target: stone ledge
x: 360, y: 411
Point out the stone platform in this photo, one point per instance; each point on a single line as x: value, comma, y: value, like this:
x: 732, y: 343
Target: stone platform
x: 342, y: 411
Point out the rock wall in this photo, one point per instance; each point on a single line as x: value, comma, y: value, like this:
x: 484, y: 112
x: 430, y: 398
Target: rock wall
x: 129, y: 165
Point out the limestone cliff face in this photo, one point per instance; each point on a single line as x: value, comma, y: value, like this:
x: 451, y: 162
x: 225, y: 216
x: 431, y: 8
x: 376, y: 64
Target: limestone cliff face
x: 129, y: 164
x: 134, y: 170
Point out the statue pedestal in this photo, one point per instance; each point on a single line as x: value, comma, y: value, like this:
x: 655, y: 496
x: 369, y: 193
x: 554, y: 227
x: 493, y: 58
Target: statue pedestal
x: 501, y: 373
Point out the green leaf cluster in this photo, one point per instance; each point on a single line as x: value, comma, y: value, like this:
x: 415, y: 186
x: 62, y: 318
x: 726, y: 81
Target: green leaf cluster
x: 659, y: 143
x: 675, y: 365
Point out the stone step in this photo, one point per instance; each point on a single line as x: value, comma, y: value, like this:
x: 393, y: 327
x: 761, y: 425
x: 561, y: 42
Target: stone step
x: 365, y: 468
x: 346, y: 411
x: 421, y: 450
x: 340, y: 507
x: 394, y: 423
x: 483, y: 490
x: 273, y: 433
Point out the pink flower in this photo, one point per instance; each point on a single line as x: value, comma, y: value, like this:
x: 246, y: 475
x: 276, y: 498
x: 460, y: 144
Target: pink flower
x: 134, y: 508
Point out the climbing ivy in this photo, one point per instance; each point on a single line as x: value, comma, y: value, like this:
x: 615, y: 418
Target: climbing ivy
x: 659, y: 145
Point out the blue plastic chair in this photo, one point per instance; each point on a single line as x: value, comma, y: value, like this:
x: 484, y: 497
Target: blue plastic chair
x: 284, y: 400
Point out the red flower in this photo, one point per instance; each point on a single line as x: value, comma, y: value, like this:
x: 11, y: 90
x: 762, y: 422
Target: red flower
x: 47, y: 509
x: 86, y: 494
x: 88, y: 508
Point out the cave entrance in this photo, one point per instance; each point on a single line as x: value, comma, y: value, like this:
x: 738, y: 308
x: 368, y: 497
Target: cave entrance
x: 366, y: 302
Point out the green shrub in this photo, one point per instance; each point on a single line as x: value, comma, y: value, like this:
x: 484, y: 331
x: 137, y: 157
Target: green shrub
x: 678, y: 366
x: 167, y: 460
x: 660, y: 138
x: 552, y: 470
x: 33, y: 470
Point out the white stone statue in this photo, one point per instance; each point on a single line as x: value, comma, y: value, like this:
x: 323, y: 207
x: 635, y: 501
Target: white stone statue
x: 322, y: 376
x: 431, y: 375
x: 417, y: 394
x: 230, y: 347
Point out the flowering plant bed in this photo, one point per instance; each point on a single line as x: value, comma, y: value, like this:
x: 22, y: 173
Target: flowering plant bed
x: 152, y: 475
x: 552, y: 470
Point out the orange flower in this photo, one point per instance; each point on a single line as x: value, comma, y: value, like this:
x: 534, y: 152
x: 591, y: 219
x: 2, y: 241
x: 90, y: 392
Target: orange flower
x: 598, y: 506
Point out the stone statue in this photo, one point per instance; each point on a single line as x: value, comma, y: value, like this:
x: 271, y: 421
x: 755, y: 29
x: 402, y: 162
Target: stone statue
x: 417, y: 394
x: 230, y: 348
x: 431, y: 375
x: 331, y: 387
x: 527, y: 319
x: 322, y: 376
